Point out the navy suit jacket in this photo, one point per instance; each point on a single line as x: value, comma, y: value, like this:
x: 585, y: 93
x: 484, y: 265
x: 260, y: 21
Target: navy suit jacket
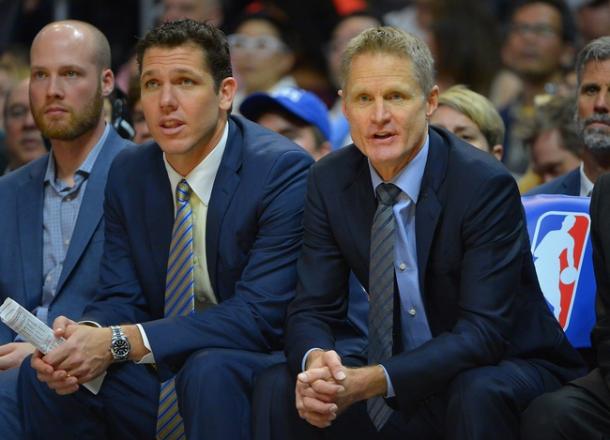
x: 253, y: 234
x: 568, y: 184
x: 21, y: 204
x: 477, y: 278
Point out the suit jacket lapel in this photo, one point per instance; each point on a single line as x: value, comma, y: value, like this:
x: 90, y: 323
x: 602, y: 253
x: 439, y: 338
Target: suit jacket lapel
x: 91, y: 209
x: 226, y: 182
x: 158, y: 210
x: 29, y: 212
x: 359, y: 206
x: 428, y: 209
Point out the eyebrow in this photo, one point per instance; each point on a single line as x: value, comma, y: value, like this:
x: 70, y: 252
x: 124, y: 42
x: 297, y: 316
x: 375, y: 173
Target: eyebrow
x: 180, y: 71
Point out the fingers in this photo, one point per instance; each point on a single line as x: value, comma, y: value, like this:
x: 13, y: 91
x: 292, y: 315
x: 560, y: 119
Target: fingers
x: 314, y: 374
x: 6, y: 348
x: 333, y: 361
x: 326, y: 388
x: 60, y: 324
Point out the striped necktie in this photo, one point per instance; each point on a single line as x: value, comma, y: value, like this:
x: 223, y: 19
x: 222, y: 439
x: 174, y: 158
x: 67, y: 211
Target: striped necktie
x: 179, y: 300
x: 381, y: 288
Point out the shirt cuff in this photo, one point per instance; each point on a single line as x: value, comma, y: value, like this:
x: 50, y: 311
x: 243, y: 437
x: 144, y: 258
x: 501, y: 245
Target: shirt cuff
x: 390, y: 392
x: 304, y: 361
x: 148, y: 358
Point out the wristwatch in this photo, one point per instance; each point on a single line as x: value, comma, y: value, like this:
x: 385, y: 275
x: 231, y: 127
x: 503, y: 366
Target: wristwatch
x: 119, y: 345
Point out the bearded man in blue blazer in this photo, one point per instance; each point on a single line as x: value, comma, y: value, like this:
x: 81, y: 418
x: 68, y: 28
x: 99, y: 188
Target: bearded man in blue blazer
x: 52, y: 209
x: 203, y: 228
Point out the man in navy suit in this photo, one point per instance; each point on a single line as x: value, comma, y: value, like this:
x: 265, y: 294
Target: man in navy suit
x: 592, y: 114
x: 460, y: 337
x: 243, y: 188
x: 52, y: 222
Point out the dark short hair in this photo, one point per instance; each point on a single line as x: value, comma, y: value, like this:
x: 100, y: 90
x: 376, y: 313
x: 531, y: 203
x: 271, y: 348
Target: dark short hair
x: 211, y: 40
x: 568, y: 25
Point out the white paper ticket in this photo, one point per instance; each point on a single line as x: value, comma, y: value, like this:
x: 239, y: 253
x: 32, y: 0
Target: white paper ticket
x: 37, y: 333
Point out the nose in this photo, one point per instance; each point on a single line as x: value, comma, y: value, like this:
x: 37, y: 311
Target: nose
x: 380, y: 115
x: 167, y: 100
x: 601, y: 102
x: 54, y: 89
x: 29, y: 120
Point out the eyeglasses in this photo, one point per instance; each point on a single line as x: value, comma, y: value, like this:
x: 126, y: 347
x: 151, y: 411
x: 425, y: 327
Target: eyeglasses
x: 537, y: 29
x: 263, y: 45
x: 17, y: 111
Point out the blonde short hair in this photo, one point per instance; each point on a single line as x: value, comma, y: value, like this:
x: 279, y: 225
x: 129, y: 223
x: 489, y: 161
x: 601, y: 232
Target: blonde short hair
x: 478, y: 109
x: 392, y: 41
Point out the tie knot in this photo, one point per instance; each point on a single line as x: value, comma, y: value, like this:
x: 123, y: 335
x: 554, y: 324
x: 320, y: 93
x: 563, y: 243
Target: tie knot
x: 183, y: 191
x: 387, y: 193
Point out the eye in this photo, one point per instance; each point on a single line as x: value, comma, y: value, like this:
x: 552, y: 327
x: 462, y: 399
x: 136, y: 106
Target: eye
x: 363, y: 99
x: 39, y: 75
x: 151, y: 84
x: 590, y: 90
x: 71, y: 74
x: 187, y: 82
x: 396, y: 96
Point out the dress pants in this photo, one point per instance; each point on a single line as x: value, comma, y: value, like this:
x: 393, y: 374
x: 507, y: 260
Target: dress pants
x: 214, y: 389
x: 479, y: 404
x: 125, y: 408
x: 10, y: 426
x: 580, y: 410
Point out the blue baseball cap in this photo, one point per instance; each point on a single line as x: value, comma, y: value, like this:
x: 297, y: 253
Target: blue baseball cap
x: 300, y: 103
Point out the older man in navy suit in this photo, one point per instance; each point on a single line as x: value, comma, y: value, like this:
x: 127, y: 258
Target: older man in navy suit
x: 202, y: 234
x: 460, y: 338
x: 52, y: 223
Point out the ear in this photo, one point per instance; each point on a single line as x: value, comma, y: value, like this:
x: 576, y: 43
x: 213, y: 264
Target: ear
x: 341, y: 94
x: 286, y: 62
x: 226, y: 93
x: 107, y: 81
x: 497, y: 151
x: 432, y: 101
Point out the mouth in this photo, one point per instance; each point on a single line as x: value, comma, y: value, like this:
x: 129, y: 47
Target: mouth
x: 55, y: 111
x: 170, y: 127
x: 382, y: 137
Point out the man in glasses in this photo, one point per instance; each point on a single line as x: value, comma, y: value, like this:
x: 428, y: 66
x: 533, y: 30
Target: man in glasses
x: 538, y: 44
x: 23, y: 138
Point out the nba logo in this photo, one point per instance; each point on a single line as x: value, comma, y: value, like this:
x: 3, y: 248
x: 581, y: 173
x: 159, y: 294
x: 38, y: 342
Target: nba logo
x: 558, y: 247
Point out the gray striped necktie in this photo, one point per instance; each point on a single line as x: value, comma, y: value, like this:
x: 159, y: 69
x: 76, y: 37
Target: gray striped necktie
x: 381, y: 289
x: 179, y: 300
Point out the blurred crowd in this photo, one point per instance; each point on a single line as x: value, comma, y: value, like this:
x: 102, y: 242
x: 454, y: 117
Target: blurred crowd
x: 519, y: 56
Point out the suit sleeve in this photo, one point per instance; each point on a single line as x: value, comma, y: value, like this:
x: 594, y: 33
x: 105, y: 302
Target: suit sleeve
x: 120, y: 298
x: 253, y: 318
x: 321, y: 301
x: 494, y: 249
x: 600, y: 218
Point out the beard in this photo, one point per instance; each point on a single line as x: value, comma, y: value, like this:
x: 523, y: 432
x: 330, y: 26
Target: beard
x: 597, y: 140
x: 78, y: 122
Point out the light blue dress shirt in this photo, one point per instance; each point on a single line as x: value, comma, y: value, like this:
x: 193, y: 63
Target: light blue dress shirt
x: 414, y: 323
x: 60, y: 212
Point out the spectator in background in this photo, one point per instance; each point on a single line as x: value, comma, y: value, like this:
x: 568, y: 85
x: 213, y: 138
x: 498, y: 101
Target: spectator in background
x: 471, y: 117
x: 555, y: 143
x: 538, y: 47
x: 23, y: 139
x: 142, y: 133
x: 262, y: 53
x: 200, y: 10
x: 465, y: 45
x: 593, y: 121
x: 593, y: 19
x: 294, y: 113
x: 346, y: 29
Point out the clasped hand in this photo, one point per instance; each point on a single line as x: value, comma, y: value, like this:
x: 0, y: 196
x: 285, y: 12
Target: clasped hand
x: 83, y: 356
x: 324, y: 389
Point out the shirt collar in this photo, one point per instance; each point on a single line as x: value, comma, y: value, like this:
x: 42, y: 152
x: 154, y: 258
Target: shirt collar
x: 87, y: 165
x: 586, y: 186
x: 201, y: 178
x: 409, y: 179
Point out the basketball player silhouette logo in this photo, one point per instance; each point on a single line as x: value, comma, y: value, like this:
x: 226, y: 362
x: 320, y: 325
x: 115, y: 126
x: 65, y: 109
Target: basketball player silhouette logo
x: 558, y: 246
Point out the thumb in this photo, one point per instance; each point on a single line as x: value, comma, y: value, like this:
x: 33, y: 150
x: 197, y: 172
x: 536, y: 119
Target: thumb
x: 60, y: 324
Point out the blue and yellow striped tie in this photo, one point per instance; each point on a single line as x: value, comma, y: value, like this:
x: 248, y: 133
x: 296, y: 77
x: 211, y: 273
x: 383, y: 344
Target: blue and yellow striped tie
x: 179, y: 300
